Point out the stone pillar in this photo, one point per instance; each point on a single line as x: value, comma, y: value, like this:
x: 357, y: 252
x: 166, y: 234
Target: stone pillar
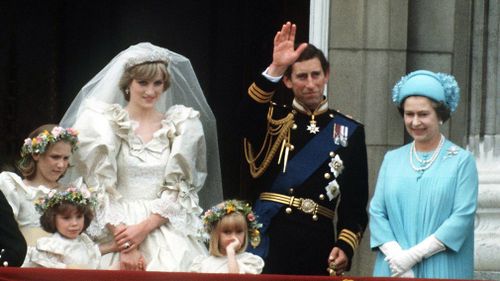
x: 439, y: 40
x: 367, y: 55
x: 484, y: 138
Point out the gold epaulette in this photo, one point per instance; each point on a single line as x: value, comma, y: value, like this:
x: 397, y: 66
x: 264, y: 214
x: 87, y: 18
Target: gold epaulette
x: 278, y: 134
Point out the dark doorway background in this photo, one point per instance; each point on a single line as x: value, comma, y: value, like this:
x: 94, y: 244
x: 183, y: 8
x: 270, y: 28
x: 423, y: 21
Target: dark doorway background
x: 50, y: 49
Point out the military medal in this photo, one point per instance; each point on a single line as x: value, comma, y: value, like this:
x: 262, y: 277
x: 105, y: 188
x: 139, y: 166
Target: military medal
x: 343, y: 135
x: 340, y: 134
x: 312, y: 128
x: 336, y: 134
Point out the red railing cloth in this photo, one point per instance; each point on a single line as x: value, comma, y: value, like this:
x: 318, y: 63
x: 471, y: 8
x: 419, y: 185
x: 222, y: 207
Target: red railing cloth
x: 47, y: 274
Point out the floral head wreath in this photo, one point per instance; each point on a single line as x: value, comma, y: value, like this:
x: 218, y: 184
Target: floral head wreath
x: 38, y: 144
x: 77, y: 196
x: 440, y: 87
x: 216, y: 213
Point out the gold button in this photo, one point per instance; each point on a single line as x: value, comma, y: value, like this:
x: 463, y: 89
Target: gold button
x: 315, y: 217
x: 290, y: 191
x: 321, y: 197
x: 292, y: 147
x: 294, y: 126
x: 288, y: 210
x: 332, y: 154
x: 327, y: 175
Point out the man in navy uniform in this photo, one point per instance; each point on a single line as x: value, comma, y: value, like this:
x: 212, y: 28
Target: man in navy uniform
x: 307, y: 163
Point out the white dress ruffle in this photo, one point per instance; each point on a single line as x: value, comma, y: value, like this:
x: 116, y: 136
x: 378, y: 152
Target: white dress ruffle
x: 248, y: 263
x: 57, y: 251
x: 134, y: 179
x: 21, y: 198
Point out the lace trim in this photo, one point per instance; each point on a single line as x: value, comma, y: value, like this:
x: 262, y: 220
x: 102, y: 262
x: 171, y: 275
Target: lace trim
x: 180, y: 218
x: 106, y: 213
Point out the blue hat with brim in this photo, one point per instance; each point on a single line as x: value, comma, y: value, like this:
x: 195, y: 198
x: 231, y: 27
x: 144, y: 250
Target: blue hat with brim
x: 439, y: 87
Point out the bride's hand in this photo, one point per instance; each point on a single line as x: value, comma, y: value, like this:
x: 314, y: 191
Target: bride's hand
x: 131, y: 237
x: 132, y: 260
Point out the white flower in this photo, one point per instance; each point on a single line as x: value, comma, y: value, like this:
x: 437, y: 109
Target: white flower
x: 332, y: 189
x: 52, y: 192
x: 336, y: 166
x: 85, y: 192
x: 56, y: 131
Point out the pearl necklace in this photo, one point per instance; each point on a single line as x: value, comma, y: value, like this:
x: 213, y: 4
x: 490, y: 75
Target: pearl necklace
x: 428, y: 163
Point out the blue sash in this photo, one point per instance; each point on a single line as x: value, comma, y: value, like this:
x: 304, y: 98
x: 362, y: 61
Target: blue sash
x: 299, y: 169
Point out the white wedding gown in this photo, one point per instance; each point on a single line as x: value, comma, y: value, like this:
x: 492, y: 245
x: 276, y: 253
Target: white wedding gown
x: 134, y: 179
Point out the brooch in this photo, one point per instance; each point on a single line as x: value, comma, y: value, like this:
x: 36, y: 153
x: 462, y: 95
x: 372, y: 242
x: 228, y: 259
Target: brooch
x: 452, y: 151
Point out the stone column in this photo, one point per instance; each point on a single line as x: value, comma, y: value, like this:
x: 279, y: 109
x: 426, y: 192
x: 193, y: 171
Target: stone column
x: 367, y: 55
x: 484, y: 138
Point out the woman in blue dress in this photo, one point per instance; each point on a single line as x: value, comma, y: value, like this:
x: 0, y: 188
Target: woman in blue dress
x: 422, y: 212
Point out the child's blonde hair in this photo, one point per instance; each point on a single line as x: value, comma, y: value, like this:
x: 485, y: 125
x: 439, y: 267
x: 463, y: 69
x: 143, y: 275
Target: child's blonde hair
x: 234, y: 219
x: 231, y: 213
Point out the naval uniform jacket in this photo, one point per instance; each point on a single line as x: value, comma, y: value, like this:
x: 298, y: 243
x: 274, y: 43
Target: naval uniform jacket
x: 299, y: 244
x: 12, y: 242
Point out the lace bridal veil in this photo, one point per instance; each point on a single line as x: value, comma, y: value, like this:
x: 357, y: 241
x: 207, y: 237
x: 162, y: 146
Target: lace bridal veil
x: 184, y: 89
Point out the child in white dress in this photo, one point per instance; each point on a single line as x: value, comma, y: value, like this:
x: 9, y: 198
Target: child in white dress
x: 230, y: 224
x: 67, y: 214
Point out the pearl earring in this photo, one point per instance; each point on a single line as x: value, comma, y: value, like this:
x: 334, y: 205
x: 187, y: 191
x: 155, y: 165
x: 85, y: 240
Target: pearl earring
x: 127, y: 92
x: 440, y: 122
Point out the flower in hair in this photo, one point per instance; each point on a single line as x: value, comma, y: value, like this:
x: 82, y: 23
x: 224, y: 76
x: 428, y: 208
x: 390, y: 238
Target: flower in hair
x: 38, y: 144
x: 451, y: 90
x: 77, y: 196
x: 212, y: 216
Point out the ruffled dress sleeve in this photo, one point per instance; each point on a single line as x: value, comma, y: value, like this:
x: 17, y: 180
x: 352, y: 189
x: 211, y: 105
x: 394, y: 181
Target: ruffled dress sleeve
x: 196, y: 265
x: 95, y: 159
x: 10, y: 184
x: 59, y: 252
x: 185, y: 172
x: 249, y: 263
x: 49, y: 252
x: 21, y: 198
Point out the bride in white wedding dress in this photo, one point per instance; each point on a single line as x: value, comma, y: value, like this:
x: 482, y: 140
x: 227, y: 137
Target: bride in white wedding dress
x: 146, y: 156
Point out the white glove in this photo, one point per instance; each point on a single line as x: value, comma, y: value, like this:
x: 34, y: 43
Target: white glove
x: 390, y: 248
x: 393, y: 248
x: 430, y: 246
x: 402, y: 262
x: 407, y: 274
x: 406, y: 259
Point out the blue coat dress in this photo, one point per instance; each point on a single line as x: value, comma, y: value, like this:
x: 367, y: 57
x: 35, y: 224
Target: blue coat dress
x: 410, y: 205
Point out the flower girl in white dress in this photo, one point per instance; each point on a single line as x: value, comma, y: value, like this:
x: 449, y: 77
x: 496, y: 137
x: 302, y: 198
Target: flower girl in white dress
x: 67, y: 214
x: 230, y: 224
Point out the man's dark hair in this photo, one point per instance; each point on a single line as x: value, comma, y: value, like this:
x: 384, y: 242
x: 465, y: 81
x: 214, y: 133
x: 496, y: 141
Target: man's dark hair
x: 309, y: 53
